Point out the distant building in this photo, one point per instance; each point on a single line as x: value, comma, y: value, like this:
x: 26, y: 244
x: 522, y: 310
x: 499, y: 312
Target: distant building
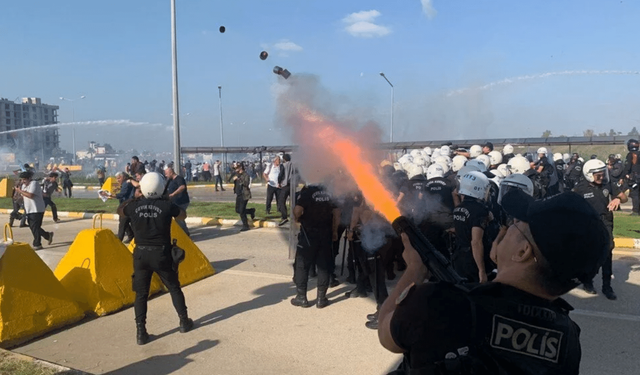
x: 31, y: 113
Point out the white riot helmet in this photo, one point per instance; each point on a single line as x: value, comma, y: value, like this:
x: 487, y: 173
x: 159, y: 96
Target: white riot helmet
x: 475, y: 151
x: 405, y: 158
x: 557, y: 156
x: 478, y: 164
x: 507, y: 149
x: 413, y: 170
x: 485, y: 159
x: 581, y: 159
x: 515, y: 181
x: 504, y: 169
x: 427, y: 150
x: 496, y: 157
x: 519, y: 164
x: 435, y: 170
x: 414, y: 153
x: 445, y: 150
x: 497, y: 176
x: 543, y: 150
x: 419, y: 160
x: 466, y: 169
x: 435, y: 153
x: 566, y: 157
x: 474, y: 184
x: 152, y: 185
x: 593, y: 166
x: 458, y: 162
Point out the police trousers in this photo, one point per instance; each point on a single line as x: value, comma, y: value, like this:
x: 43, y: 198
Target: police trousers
x: 463, y: 262
x: 314, y: 247
x: 146, y: 261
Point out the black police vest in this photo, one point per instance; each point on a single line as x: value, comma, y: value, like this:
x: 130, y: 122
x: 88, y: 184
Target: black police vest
x: 510, y: 337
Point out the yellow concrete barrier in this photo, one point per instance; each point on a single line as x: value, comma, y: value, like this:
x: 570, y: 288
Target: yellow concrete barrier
x: 195, y: 265
x: 111, y: 185
x: 32, y: 300
x: 97, y: 271
x: 6, y: 187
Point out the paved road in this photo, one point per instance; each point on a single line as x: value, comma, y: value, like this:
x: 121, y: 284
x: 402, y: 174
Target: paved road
x: 246, y: 325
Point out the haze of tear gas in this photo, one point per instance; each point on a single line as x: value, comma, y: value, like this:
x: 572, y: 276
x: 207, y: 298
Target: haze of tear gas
x: 329, y: 144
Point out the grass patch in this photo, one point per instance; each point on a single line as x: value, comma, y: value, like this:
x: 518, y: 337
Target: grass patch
x: 625, y: 225
x: 14, y: 366
x: 221, y: 210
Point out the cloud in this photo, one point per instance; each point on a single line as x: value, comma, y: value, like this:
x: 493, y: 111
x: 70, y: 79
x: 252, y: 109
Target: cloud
x: 285, y: 45
x: 428, y: 9
x: 362, y: 24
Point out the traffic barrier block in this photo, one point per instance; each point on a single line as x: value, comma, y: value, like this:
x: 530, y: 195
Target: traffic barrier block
x: 97, y: 271
x: 6, y: 187
x: 111, y: 185
x: 32, y: 300
x: 195, y: 265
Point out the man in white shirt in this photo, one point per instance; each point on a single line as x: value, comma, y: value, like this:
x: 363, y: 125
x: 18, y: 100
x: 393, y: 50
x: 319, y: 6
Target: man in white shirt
x: 217, y: 175
x: 271, y: 175
x: 34, y: 208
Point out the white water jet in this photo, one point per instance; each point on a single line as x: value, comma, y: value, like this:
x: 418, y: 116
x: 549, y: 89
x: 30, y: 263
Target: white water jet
x: 90, y: 123
x: 507, y: 81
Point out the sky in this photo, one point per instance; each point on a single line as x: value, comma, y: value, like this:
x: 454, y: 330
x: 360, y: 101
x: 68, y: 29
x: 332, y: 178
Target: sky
x: 461, y: 69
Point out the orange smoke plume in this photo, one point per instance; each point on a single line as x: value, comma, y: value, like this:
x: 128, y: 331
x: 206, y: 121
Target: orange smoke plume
x: 361, y: 171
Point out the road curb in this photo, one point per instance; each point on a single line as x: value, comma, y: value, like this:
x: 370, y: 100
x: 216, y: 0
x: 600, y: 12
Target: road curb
x: 58, y: 368
x: 205, y: 221
x: 629, y: 243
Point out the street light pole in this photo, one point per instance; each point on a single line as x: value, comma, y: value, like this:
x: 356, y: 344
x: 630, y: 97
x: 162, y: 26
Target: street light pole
x: 73, y: 128
x: 224, y: 155
x: 176, y: 112
x: 392, y: 100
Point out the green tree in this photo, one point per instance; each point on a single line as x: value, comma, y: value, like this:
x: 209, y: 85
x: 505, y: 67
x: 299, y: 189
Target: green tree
x: 634, y: 131
x: 588, y: 133
x: 612, y: 133
x: 546, y: 134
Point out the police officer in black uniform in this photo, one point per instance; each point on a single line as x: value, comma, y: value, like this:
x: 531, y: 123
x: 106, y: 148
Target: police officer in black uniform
x: 151, y: 217
x: 516, y: 324
x: 470, y: 220
x: 632, y: 174
x: 318, y: 218
x: 441, y: 199
x: 573, y: 174
x: 605, y: 197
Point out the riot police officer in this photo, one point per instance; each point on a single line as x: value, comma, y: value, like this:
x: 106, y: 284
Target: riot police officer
x: 632, y: 174
x: 151, y: 217
x: 605, y: 197
x: 573, y: 174
x: 470, y: 220
x: 517, y: 324
x: 318, y: 218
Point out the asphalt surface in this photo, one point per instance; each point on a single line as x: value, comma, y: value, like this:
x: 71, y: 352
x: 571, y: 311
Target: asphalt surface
x: 245, y: 323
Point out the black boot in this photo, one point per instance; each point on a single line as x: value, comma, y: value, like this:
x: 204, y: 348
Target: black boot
x: 588, y: 287
x: 322, y: 301
x: 372, y: 324
x: 608, y: 291
x: 142, y: 336
x: 373, y: 316
x: 186, y: 324
x: 300, y: 300
x: 334, y: 281
x: 252, y: 212
x: 11, y: 221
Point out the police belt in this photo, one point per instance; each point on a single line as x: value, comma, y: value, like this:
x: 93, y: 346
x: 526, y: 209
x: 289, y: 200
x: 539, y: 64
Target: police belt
x: 151, y: 248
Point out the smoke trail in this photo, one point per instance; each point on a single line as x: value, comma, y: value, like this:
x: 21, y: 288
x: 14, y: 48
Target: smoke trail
x: 508, y: 81
x: 96, y: 123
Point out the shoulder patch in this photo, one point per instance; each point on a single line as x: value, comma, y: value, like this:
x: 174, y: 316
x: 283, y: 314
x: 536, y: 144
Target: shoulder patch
x: 405, y: 293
